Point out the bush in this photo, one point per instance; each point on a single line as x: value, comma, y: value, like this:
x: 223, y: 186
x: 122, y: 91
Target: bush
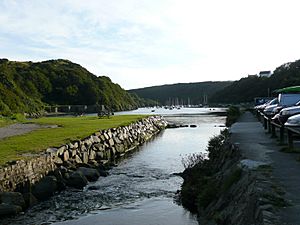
x: 233, y: 113
x: 192, y: 160
x: 18, y: 117
x: 215, y: 143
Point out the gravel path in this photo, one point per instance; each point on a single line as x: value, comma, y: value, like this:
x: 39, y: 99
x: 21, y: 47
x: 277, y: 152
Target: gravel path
x: 20, y: 128
x: 257, y: 145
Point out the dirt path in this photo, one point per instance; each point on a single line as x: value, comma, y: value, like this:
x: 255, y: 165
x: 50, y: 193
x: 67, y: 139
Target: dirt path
x: 20, y: 128
x: 257, y: 145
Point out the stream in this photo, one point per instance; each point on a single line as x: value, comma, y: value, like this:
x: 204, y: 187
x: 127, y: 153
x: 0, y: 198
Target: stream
x: 142, y: 188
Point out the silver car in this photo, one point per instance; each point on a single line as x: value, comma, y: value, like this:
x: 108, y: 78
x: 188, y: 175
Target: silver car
x: 293, y: 121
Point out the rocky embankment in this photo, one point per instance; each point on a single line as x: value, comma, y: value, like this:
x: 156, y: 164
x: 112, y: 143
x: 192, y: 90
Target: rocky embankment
x: 227, y: 189
x: 26, y: 182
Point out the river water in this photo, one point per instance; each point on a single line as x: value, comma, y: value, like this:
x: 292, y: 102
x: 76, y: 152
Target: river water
x: 142, y: 188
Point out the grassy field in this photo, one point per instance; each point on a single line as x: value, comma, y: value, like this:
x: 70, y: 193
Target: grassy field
x: 70, y: 128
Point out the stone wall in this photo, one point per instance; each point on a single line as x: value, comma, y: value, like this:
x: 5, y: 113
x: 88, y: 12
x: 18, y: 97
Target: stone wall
x: 99, y: 148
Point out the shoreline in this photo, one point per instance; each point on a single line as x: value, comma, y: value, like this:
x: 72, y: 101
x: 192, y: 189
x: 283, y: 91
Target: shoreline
x: 24, y: 183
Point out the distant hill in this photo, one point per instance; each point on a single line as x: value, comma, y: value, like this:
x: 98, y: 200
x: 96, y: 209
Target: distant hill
x: 246, y: 89
x: 183, y: 93
x: 28, y: 86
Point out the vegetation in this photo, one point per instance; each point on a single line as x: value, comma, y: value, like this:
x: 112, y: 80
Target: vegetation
x: 185, y: 93
x: 27, y: 86
x: 233, y: 113
x: 69, y: 128
x: 246, y: 89
x: 4, y: 122
x: 192, y: 160
x: 202, y: 185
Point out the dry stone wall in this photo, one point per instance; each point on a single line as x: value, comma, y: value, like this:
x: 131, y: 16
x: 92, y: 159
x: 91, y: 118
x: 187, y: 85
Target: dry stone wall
x: 101, y: 147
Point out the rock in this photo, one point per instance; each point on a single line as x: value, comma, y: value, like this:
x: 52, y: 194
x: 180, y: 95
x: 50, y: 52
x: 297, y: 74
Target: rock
x: 73, y: 145
x: 116, y: 140
x: 77, y: 180
x: 251, y: 164
x: 92, y: 155
x: 99, y: 155
x: 184, y: 125
x: 193, y: 125
x: 8, y: 210
x: 57, y: 160
x: 93, y: 188
x: 93, y: 163
x: 61, y: 150
x: 103, y: 173
x: 173, y: 125
x: 106, y: 136
x: 45, y: 188
x: 51, y: 151
x: 69, y: 165
x: 89, y: 173
x: 66, y: 155
x: 78, y: 159
x: 102, y: 137
x: 30, y: 200
x: 95, y: 139
x: 12, y: 198
x: 58, y: 173
x: 86, y: 165
x: 85, y: 157
x: 111, y: 142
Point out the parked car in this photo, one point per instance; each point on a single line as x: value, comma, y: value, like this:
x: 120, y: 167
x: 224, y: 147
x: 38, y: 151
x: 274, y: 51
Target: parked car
x: 263, y: 106
x: 284, y: 100
x: 268, y: 111
x: 285, y: 113
x: 293, y: 121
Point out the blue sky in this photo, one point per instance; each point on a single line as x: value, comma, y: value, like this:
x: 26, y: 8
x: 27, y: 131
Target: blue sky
x: 139, y: 43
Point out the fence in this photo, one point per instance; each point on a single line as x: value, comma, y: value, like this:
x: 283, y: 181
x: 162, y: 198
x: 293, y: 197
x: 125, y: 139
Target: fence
x: 286, y: 135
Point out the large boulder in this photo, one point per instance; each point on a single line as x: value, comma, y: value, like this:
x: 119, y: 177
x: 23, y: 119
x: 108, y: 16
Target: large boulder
x: 90, y: 173
x: 77, y: 180
x: 45, y: 188
x: 12, y: 198
x: 30, y: 199
x: 8, y: 210
x: 58, y: 173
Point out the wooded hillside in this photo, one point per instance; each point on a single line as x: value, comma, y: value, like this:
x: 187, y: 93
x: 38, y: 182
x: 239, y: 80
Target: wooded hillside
x: 183, y: 93
x: 28, y: 86
x: 246, y: 89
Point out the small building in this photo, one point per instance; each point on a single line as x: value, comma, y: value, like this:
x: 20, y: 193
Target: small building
x: 265, y: 73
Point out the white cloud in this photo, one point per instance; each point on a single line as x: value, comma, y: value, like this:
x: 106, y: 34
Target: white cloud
x: 141, y: 43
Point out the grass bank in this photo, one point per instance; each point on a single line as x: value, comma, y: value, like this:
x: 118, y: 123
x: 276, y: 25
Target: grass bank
x: 69, y: 128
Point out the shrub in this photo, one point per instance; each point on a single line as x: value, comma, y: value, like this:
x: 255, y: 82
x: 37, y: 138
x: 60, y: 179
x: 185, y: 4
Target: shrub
x: 233, y: 113
x: 192, y: 160
x: 18, y: 117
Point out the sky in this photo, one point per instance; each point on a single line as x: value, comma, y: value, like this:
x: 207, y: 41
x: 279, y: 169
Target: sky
x: 141, y: 43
